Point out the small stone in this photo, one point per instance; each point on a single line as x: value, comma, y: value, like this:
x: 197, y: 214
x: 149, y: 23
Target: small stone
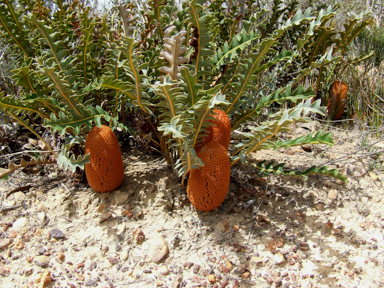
x: 332, y: 194
x: 19, y: 197
x: 138, y: 235
x: 224, y: 283
x: 29, y: 259
x: 159, y: 283
x: 13, y: 234
x: 41, y: 216
x: 112, y: 260
x: 279, y: 258
x: 105, y: 249
x: 4, y: 243
x: 196, y: 269
x: 373, y: 176
x: 163, y: 270
x: 124, y: 255
x: 56, y: 233
x: 278, y: 281
x: 255, y: 260
x: 5, y: 269
x: 19, y: 223
x: 40, y: 249
x: 121, y: 228
x: 245, y: 275
x: 264, y: 218
x: 104, y: 217
x: 19, y: 245
x: 228, y: 265
x: 43, y: 279
x: 319, y: 206
x: 159, y: 249
x: 92, y: 266
x: 41, y: 261
x: 212, y: 278
x: 91, y: 282
x: 61, y: 256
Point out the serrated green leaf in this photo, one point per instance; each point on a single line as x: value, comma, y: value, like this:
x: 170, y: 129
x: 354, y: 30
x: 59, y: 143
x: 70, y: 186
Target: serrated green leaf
x: 66, y: 160
x: 72, y: 120
x: 264, y: 168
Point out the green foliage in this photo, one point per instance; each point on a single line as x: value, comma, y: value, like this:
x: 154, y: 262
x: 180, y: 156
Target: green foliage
x: 264, y: 168
x: 80, y: 70
x: 68, y: 161
x: 369, y: 41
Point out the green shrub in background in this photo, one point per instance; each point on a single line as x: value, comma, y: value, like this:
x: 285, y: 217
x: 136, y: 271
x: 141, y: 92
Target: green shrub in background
x: 367, y: 101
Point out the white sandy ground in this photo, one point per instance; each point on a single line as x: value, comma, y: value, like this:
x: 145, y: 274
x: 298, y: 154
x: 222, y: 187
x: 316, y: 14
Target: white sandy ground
x: 269, y: 232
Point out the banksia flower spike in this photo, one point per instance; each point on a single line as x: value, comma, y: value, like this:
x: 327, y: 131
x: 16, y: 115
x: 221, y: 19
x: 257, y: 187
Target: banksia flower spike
x: 208, y: 185
x: 105, y: 172
x: 337, y: 99
x: 219, y: 132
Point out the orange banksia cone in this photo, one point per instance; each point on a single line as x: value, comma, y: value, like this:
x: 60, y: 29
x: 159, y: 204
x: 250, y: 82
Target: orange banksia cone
x: 208, y: 185
x: 220, y: 132
x: 337, y: 99
x: 105, y: 172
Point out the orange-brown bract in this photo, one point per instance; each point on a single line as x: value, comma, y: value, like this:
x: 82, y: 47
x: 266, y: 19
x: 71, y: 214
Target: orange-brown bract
x: 208, y: 185
x: 220, y: 132
x: 337, y: 99
x: 105, y: 172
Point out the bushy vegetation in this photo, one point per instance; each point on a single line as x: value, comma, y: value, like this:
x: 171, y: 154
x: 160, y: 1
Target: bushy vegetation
x: 173, y: 66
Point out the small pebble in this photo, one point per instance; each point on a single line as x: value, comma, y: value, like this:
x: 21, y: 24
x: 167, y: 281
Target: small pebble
x: 41, y: 261
x: 19, y: 245
x: 245, y: 275
x: 163, y: 270
x: 56, y: 233
x: 212, y: 278
x: 279, y: 258
x: 196, y: 268
x: 4, y: 243
x: 159, y: 249
x: 92, y: 266
x: 61, y: 256
x: 113, y: 260
x: 91, y: 282
x: 40, y: 249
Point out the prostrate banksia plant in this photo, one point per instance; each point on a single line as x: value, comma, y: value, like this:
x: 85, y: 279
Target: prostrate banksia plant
x: 219, y: 131
x: 208, y: 185
x: 105, y: 172
x: 337, y: 99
